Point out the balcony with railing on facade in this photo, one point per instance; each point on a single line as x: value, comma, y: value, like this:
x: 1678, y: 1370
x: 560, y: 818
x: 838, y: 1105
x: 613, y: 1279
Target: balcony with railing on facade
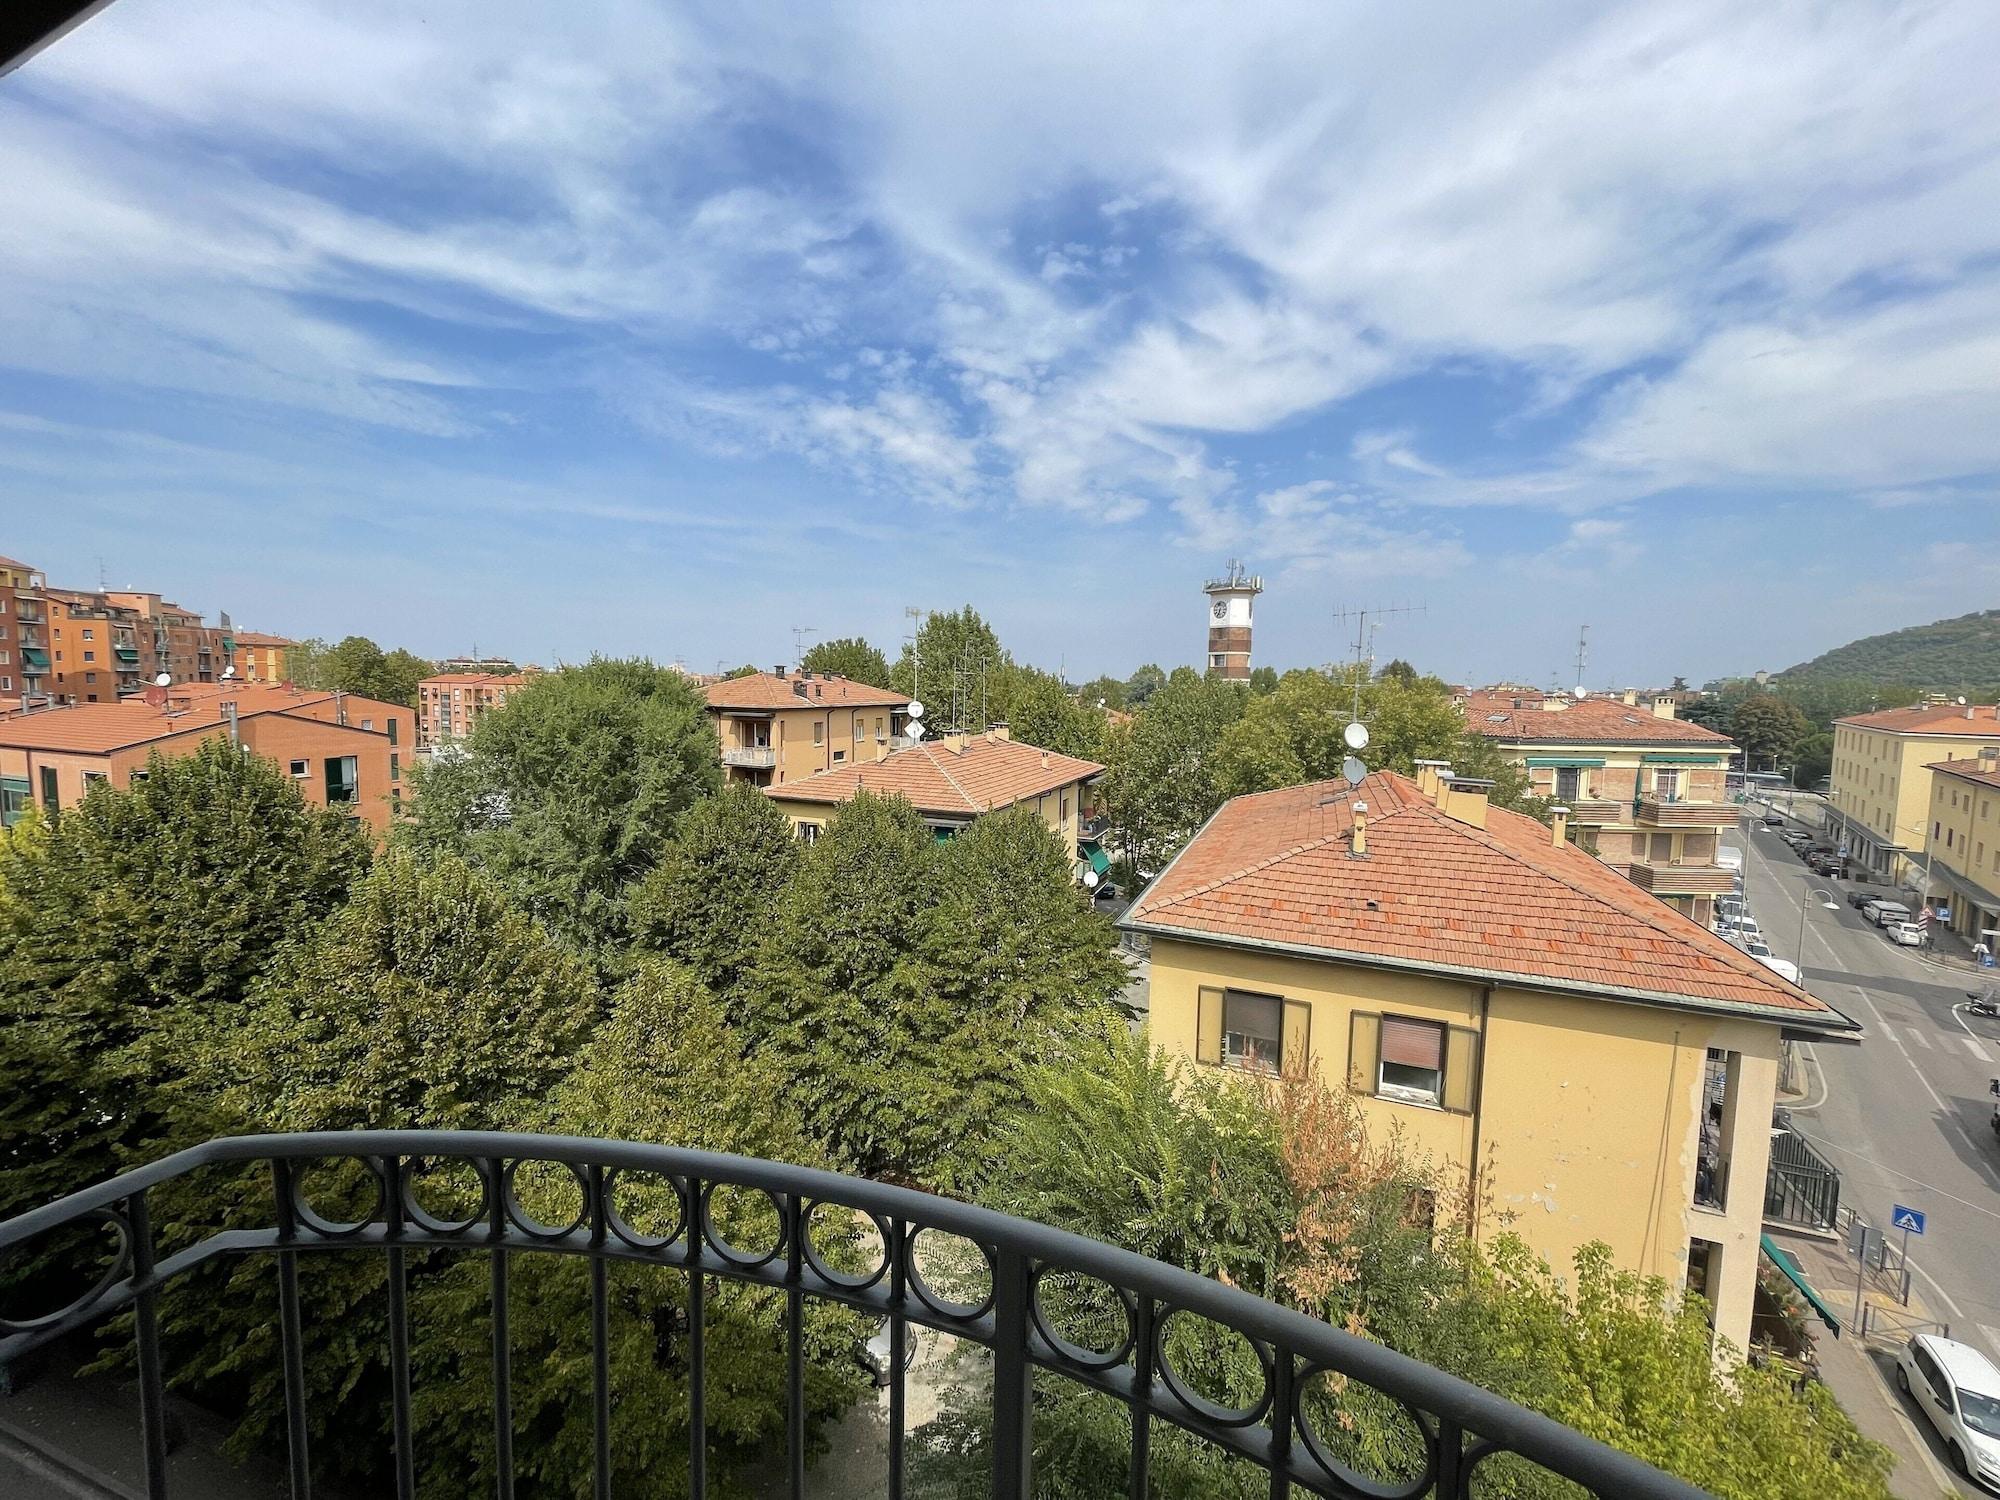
x: 1671, y: 812
x: 1460, y: 1439
x: 750, y: 757
x: 1596, y: 812
x: 1665, y: 878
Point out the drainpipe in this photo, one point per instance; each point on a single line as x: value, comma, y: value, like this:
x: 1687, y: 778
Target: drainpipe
x: 1478, y: 1106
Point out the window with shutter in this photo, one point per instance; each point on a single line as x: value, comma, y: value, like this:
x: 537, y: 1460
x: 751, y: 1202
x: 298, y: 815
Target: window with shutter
x: 1412, y: 1060
x: 1252, y: 1031
x: 1364, y: 1051
x: 1208, y: 1026
x: 1461, y: 1069
x: 1295, y: 1058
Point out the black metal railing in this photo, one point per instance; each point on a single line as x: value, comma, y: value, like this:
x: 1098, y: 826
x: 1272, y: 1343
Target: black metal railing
x: 1802, y: 1187
x: 1461, y: 1427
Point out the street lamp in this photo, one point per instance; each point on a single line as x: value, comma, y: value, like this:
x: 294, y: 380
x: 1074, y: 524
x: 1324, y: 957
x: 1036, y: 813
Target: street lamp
x: 1805, y: 909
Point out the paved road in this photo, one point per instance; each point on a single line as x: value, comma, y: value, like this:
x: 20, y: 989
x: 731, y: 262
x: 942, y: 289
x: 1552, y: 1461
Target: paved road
x: 1904, y: 1114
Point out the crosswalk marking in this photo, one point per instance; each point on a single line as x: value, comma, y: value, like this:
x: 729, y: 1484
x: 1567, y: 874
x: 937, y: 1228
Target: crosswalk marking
x: 1916, y: 1036
x: 1972, y: 1046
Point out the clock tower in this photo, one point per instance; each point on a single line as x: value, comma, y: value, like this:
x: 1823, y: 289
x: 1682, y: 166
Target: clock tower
x: 1229, y: 621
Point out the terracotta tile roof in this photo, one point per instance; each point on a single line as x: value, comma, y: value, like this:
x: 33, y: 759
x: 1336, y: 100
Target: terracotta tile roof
x: 1519, y: 718
x: 479, y: 679
x: 1934, y: 718
x: 1500, y: 903
x: 12, y: 562
x: 939, y: 779
x: 101, y: 728
x: 259, y: 638
x: 1972, y: 769
x: 767, y: 690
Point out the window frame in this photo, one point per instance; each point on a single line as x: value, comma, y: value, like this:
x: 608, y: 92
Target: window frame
x: 1294, y: 1039
x: 1461, y: 1058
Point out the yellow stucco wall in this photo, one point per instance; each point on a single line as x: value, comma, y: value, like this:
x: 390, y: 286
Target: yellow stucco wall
x: 1588, y: 1111
x: 1060, y: 809
x: 791, y: 732
x: 1880, y: 781
x: 1964, y: 831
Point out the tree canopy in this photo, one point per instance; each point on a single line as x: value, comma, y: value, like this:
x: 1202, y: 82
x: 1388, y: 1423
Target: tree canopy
x: 1162, y: 783
x: 850, y: 656
x: 358, y: 665
x: 717, y: 885
x: 955, y: 668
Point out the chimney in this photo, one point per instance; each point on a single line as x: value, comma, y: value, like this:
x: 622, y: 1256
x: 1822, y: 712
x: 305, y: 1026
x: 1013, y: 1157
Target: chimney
x: 1358, y: 846
x: 1560, y: 827
x: 1464, y: 801
x: 1000, y: 731
x: 1428, y: 773
x: 1045, y: 760
x: 778, y: 670
x: 235, y: 729
x: 1663, y: 707
x: 1631, y: 696
x: 799, y: 688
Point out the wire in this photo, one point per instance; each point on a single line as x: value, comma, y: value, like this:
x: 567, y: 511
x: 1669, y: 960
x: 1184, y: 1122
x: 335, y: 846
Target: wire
x: 1893, y: 1171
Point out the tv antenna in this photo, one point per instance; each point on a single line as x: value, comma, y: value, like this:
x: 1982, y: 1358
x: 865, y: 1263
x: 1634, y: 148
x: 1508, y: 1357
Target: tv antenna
x: 799, y: 634
x: 1367, y: 620
x: 1582, y: 658
x: 916, y: 618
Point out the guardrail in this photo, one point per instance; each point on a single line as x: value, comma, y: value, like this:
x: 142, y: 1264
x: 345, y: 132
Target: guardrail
x: 1290, y: 1430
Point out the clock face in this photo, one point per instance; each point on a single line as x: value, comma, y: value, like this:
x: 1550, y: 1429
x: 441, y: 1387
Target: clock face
x: 1221, y: 609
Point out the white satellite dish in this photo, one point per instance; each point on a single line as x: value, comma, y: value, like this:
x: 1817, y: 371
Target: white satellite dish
x: 1090, y: 880
x: 1356, y: 736
x: 915, y: 710
x: 228, y: 672
x: 165, y: 679
x: 1961, y: 700
x: 1353, y: 771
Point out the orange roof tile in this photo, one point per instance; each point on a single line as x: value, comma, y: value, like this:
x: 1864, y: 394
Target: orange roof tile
x: 768, y: 691
x: 260, y: 638
x: 101, y: 728
x: 1500, y: 903
x: 1977, y: 720
x: 1514, y: 718
x: 472, y: 679
x: 949, y: 781
x: 1978, y: 772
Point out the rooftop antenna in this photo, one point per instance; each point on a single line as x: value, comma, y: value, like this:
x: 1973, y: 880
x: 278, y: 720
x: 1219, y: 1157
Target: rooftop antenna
x: 102, y: 583
x: 1582, y: 658
x: 799, y: 634
x: 1367, y: 620
x: 915, y: 616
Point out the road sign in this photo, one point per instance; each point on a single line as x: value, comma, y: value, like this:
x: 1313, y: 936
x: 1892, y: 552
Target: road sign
x: 1843, y: 849
x: 1909, y: 1220
x: 1923, y: 916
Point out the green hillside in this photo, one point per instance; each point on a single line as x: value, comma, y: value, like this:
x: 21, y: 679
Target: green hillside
x: 1950, y: 654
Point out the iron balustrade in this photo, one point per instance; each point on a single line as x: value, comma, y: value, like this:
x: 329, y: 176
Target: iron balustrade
x: 1461, y: 1425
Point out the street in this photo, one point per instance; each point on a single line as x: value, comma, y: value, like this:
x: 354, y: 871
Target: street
x: 1904, y: 1114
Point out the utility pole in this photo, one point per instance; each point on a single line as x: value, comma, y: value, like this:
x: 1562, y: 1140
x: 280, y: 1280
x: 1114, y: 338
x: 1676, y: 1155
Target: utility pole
x: 1582, y: 657
x: 916, y: 618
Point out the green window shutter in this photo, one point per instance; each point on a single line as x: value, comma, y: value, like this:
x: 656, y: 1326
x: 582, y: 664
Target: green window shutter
x: 1461, y: 1069
x: 1208, y: 1027
x: 1364, y: 1051
x: 1295, y: 1053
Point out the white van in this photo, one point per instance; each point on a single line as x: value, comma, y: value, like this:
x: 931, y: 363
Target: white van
x: 1729, y: 857
x: 1883, y: 913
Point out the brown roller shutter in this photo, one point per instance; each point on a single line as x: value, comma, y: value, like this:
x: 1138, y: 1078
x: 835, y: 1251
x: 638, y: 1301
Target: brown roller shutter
x: 1414, y: 1044
x: 1364, y: 1051
x: 1208, y: 1026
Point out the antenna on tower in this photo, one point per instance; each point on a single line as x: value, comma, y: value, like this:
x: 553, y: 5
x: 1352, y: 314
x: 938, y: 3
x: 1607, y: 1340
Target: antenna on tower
x: 1582, y: 658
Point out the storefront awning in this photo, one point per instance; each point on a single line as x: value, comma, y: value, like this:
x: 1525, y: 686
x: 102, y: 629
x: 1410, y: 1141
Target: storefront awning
x: 1788, y: 1265
x: 1565, y: 760
x: 1099, y: 860
x: 1712, y: 759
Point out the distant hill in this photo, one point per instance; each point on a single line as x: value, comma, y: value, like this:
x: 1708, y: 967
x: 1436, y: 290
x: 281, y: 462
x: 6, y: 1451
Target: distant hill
x: 1964, y: 652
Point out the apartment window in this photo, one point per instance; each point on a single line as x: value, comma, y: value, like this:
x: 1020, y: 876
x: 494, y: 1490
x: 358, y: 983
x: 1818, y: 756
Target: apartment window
x: 1413, y: 1061
x: 819, y: 733
x: 809, y: 833
x: 301, y: 768
x: 91, y: 779
x: 342, y: 783
x: 1702, y: 1256
x: 89, y: 634
x: 1216, y: 659
x: 1259, y: 1033
x: 50, y: 795
x: 1063, y: 807
x: 395, y: 766
x: 392, y: 731
x: 1569, y: 783
x: 90, y: 677
x: 368, y: 724
x: 880, y: 733
x: 6, y: 684
x: 839, y: 756
x: 15, y: 794
x: 1711, y: 1168
x: 1667, y: 785
x: 135, y: 778
x: 860, y: 728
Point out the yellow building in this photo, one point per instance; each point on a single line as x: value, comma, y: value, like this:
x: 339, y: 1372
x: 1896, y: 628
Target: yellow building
x: 1964, y: 845
x: 1646, y: 790
x: 1882, y: 784
x: 779, y: 727
x: 260, y: 657
x: 1601, y: 1067
x: 952, y: 781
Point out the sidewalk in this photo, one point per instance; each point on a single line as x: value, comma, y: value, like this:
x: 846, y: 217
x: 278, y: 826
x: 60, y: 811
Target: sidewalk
x: 1862, y: 1373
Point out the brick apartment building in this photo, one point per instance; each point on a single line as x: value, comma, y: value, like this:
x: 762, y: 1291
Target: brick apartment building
x: 449, y: 704
x: 342, y: 750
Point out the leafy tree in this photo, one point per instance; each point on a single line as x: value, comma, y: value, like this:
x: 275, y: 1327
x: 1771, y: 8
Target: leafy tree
x: 1045, y: 713
x: 1815, y: 759
x: 1263, y: 680
x: 428, y: 1001
x: 850, y: 656
x: 1102, y: 692
x: 1401, y: 671
x: 358, y: 665
x: 137, y: 921
x: 570, y: 791
x: 1954, y: 655
x: 717, y: 885
x: 1768, y: 728
x: 1142, y: 684
x: 746, y: 670
x: 954, y: 648
x: 664, y: 1067
x: 1162, y: 785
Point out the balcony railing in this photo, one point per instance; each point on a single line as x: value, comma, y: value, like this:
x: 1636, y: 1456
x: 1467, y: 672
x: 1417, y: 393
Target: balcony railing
x: 1669, y: 814
x: 750, y: 757
x: 1596, y: 811
x: 1683, y: 880
x: 1462, y: 1427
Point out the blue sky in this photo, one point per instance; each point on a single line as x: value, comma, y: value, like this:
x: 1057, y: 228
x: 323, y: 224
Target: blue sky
x: 667, y: 328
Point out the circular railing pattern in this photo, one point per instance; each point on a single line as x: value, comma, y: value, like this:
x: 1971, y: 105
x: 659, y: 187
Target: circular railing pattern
x: 1036, y: 1297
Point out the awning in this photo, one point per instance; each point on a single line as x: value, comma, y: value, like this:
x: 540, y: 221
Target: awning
x: 1713, y: 758
x: 1099, y: 860
x: 1788, y: 1264
x: 125, y: 653
x: 35, y: 657
x: 1565, y: 760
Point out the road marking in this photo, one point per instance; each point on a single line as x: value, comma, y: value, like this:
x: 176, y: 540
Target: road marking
x: 1916, y: 1036
x: 1971, y: 1037
x: 1992, y: 1336
x: 1972, y: 1046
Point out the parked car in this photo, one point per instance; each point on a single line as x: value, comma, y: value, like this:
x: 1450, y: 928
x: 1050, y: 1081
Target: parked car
x: 1859, y: 899
x: 1958, y: 1389
x: 1784, y: 968
x: 1747, y: 929
x: 1904, y: 934
x: 1882, y: 913
x: 1757, y: 948
x: 1774, y: 820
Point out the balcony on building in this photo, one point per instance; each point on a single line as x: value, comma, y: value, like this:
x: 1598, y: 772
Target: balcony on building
x: 1596, y: 812
x: 1667, y: 812
x: 1015, y: 1310
x: 750, y: 757
x: 1668, y: 879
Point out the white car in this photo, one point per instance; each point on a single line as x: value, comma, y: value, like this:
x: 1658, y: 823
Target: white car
x: 1757, y: 948
x: 1784, y: 968
x: 1905, y: 934
x: 1959, y: 1390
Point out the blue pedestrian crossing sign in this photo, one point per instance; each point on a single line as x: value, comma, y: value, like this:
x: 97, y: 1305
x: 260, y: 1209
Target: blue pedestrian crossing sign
x: 1906, y: 1219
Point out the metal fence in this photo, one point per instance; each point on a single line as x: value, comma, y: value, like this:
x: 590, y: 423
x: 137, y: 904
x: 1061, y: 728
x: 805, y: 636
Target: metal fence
x: 1802, y: 1187
x: 1462, y: 1427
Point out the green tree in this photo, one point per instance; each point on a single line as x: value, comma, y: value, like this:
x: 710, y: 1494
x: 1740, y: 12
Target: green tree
x: 358, y: 665
x: 1102, y: 692
x: 135, y: 922
x: 953, y: 667
x: 746, y: 670
x: 1815, y: 755
x: 1401, y: 671
x: 428, y: 1001
x: 1263, y: 680
x: 1768, y: 728
x: 1162, y: 784
x: 664, y: 1067
x: 850, y: 656
x: 1142, y: 684
x: 570, y: 791
x: 1045, y: 713
x: 717, y: 885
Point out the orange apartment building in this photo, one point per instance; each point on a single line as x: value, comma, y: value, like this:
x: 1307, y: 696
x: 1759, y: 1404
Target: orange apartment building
x: 342, y: 750
x: 449, y: 704
x: 260, y: 657
x: 24, y: 653
x: 777, y: 727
